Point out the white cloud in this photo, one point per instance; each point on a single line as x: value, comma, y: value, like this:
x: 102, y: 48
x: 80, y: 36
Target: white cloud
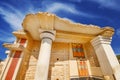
x: 56, y: 7
x: 112, y: 4
x: 6, y: 37
x: 12, y: 16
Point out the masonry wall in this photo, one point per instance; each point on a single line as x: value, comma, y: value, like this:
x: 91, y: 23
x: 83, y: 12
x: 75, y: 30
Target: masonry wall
x: 30, y: 72
x: 59, y: 63
x: 91, y: 56
x: 63, y: 65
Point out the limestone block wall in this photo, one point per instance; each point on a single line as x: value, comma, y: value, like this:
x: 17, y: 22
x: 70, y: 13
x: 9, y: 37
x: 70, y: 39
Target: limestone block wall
x: 91, y: 55
x: 31, y: 69
x: 59, y: 63
x: 94, y: 64
x: 30, y: 72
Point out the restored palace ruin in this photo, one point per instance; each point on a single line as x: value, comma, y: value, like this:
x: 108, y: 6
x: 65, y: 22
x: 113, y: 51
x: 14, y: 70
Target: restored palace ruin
x: 51, y: 48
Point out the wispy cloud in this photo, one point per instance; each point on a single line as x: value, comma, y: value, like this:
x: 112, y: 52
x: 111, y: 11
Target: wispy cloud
x: 111, y: 4
x: 12, y: 16
x: 57, y: 7
x: 6, y: 37
x: 118, y: 32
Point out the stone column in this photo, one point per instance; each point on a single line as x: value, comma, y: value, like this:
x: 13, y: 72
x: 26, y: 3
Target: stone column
x: 106, y: 57
x: 44, y: 55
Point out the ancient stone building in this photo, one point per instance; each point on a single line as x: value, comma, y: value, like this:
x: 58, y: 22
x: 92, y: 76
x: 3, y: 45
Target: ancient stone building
x: 51, y: 48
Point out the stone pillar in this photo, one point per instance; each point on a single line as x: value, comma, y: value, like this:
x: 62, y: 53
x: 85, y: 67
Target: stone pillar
x: 106, y: 57
x: 44, y: 55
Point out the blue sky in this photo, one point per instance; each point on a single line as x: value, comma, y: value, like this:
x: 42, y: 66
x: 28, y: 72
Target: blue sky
x: 97, y: 12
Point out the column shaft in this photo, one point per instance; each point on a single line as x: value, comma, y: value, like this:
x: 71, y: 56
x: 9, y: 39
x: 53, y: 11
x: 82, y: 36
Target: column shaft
x: 44, y: 55
x: 43, y: 60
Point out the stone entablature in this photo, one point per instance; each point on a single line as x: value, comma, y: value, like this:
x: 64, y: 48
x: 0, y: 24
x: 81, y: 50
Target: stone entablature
x: 47, y: 21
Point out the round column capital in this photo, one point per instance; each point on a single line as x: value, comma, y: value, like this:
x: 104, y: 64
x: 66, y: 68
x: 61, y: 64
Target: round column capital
x: 47, y: 34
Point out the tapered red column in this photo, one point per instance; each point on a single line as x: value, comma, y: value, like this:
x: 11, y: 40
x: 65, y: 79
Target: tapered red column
x: 107, y: 59
x: 44, y: 55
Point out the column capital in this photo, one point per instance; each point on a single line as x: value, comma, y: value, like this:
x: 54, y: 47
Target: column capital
x: 101, y: 40
x: 50, y: 34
